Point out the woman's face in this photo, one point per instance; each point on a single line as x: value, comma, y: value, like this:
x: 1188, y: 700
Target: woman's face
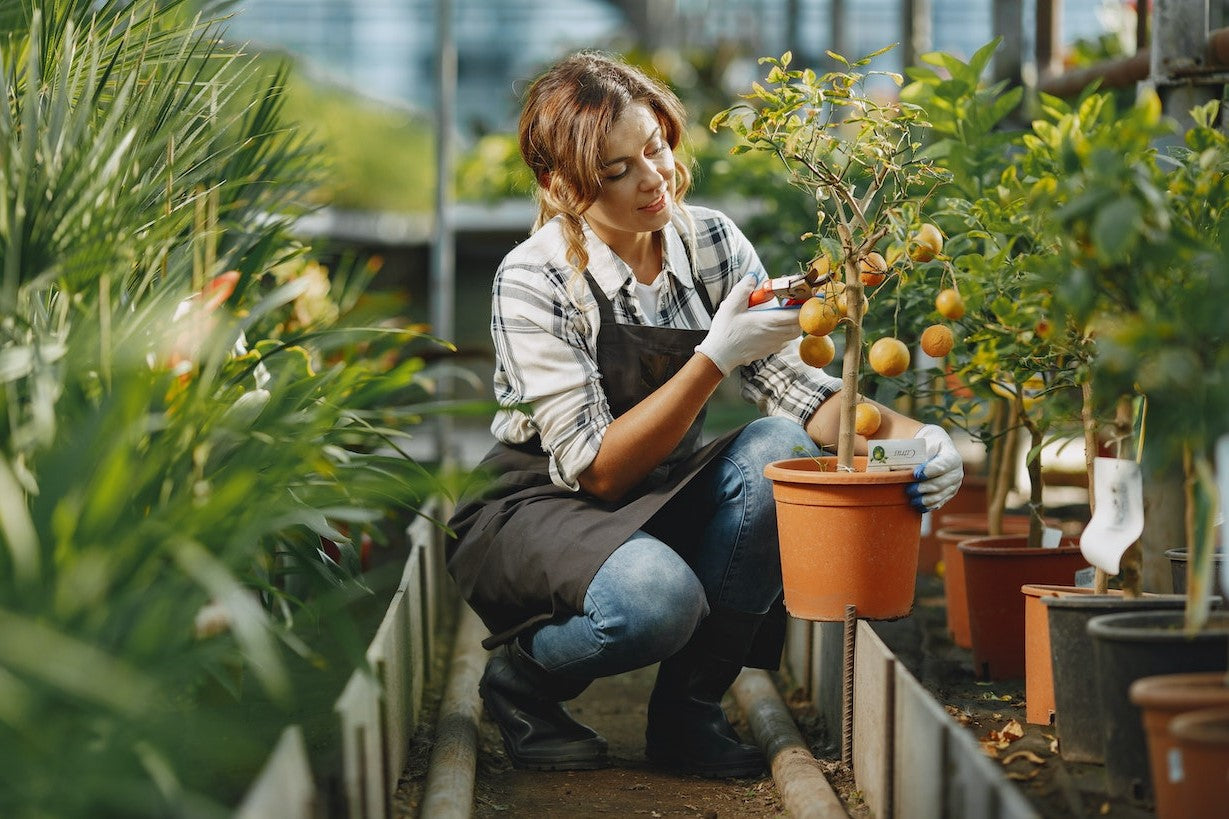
x: 637, y: 178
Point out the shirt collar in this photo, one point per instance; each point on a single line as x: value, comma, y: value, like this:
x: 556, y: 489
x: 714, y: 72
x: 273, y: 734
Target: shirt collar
x: 612, y: 274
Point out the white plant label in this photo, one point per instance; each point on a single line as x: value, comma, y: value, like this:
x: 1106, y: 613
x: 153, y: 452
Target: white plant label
x: 1119, y: 520
x: 1051, y: 538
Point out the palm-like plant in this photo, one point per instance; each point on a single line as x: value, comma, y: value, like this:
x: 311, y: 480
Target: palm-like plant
x: 163, y: 493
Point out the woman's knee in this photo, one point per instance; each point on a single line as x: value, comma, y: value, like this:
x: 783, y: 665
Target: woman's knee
x: 773, y: 438
x: 661, y: 598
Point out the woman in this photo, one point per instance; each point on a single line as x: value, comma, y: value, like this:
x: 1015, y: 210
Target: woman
x: 607, y: 537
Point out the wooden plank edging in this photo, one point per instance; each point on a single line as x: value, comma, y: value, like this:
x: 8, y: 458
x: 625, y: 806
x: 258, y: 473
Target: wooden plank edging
x: 931, y: 756
x: 284, y: 787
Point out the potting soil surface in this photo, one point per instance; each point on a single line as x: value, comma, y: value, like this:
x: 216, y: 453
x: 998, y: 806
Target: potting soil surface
x: 994, y: 713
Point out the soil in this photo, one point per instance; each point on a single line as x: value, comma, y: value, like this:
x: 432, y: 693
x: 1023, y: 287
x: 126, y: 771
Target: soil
x: 615, y: 707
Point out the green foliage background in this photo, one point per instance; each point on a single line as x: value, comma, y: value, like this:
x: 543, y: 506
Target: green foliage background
x: 176, y: 456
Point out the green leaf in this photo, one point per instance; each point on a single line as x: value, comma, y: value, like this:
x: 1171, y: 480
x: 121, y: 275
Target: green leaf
x: 1115, y: 226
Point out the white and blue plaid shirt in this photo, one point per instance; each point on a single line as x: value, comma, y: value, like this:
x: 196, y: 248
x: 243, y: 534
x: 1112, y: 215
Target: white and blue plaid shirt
x: 544, y: 323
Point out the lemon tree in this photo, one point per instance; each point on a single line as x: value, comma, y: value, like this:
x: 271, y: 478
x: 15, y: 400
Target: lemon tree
x: 1142, y: 264
x: 855, y: 153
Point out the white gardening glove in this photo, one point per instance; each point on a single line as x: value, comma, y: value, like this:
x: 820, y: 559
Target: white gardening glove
x: 940, y: 475
x: 739, y: 335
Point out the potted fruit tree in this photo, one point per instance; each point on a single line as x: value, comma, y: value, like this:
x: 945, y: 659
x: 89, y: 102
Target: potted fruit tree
x: 1145, y: 242
x: 855, y: 153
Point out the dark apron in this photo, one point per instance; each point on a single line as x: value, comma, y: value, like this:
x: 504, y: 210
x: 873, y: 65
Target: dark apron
x: 524, y: 549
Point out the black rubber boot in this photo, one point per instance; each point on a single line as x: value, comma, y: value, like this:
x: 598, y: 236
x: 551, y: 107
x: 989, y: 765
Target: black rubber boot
x: 687, y: 728
x: 525, y: 702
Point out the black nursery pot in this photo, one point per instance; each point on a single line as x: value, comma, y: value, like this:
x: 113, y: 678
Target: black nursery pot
x: 1131, y: 645
x: 1077, y: 704
x: 1177, y: 569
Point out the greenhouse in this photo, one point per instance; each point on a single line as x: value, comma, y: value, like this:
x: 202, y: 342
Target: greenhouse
x: 722, y: 408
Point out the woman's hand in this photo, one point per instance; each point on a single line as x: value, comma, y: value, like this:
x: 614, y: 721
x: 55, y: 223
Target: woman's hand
x: 739, y: 335
x: 940, y: 476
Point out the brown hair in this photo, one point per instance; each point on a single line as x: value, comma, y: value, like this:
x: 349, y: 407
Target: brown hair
x: 568, y: 112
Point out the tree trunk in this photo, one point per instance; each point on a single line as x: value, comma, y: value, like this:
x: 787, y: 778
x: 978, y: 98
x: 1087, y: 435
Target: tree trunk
x: 851, y: 365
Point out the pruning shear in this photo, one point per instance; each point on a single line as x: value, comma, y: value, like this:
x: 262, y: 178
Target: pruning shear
x: 792, y: 290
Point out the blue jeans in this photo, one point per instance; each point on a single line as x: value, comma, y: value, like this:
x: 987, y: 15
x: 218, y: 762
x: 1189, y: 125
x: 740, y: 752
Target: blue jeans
x: 713, y: 546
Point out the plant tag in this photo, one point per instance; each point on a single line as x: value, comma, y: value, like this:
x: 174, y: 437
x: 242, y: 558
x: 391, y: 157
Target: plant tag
x: 1085, y: 578
x: 1119, y: 519
x: 1050, y: 537
x: 1174, y: 764
x: 927, y: 523
x: 891, y: 455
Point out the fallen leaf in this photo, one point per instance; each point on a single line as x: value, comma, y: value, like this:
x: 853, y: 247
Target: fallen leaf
x: 1029, y: 755
x: 1021, y: 777
x: 1105, y: 808
x: 1054, y: 745
x: 1004, y: 737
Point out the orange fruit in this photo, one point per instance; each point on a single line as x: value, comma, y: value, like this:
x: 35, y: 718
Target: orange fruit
x: 872, y: 269
x: 949, y: 304
x: 818, y: 351
x: 819, y: 269
x: 937, y: 340
x: 842, y: 303
x: 926, y: 243
x: 818, y: 317
x: 867, y: 419
x: 889, y: 356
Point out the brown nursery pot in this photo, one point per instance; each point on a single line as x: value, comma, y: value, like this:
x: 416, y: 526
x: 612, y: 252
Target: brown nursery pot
x: 1203, y: 741
x: 958, y: 527
x: 970, y: 498
x: 846, y: 538
x: 1161, y: 698
x: 1038, y: 671
x: 994, y: 570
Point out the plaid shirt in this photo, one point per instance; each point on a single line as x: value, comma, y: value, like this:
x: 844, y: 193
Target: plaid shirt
x: 544, y: 322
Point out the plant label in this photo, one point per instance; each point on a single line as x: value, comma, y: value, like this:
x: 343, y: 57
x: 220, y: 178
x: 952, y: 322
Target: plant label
x: 1051, y: 538
x: 892, y: 455
x: 1119, y: 518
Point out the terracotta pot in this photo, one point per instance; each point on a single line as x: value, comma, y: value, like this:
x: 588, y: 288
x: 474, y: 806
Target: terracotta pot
x: 1203, y: 741
x: 957, y: 528
x: 1161, y: 698
x: 1127, y: 647
x: 1038, y: 670
x: 971, y: 498
x: 846, y: 538
x: 994, y: 570
x: 1077, y: 702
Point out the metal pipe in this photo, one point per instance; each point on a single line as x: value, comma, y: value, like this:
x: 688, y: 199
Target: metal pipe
x: 1117, y: 73
x: 443, y: 240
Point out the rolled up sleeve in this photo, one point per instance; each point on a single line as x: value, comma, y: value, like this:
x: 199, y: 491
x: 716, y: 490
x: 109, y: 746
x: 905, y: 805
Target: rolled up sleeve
x: 546, y: 380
